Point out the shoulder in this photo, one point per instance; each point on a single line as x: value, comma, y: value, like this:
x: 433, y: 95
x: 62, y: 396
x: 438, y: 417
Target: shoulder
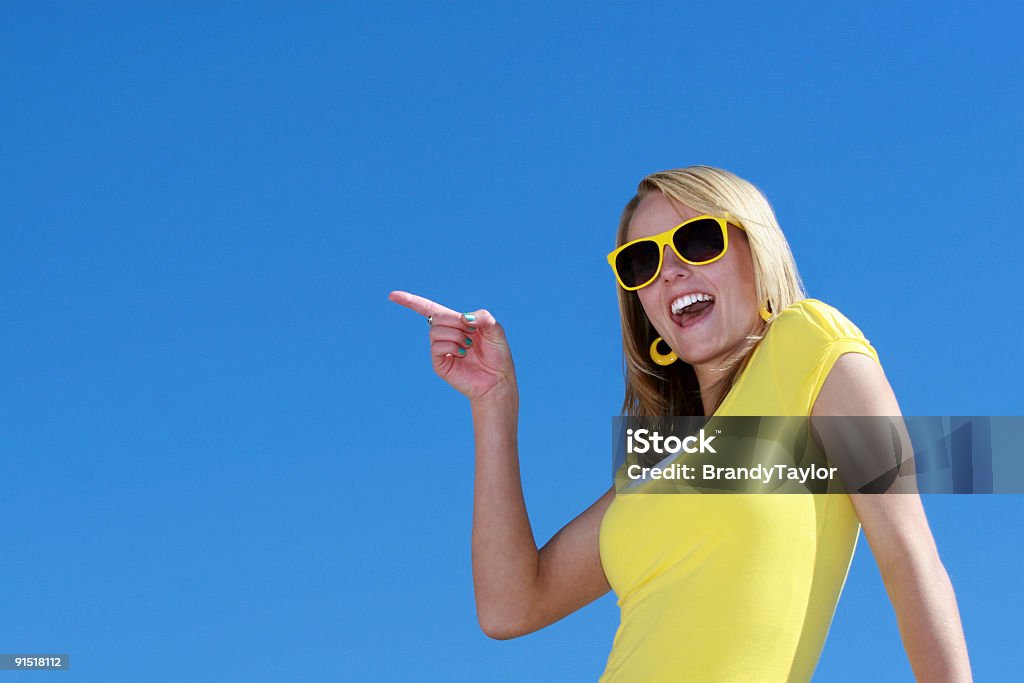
x: 855, y: 385
x: 816, y: 319
x: 804, y: 343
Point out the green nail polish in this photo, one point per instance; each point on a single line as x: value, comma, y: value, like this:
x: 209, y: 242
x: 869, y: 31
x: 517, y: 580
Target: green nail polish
x: 469, y: 342
x: 462, y: 352
x: 472, y: 329
x: 470, y: 318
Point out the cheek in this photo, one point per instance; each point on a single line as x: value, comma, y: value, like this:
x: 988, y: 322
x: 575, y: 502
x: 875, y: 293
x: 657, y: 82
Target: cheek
x: 736, y: 283
x: 742, y: 283
x: 649, y: 304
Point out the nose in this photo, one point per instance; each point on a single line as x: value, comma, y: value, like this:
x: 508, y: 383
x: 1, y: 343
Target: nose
x: 672, y: 267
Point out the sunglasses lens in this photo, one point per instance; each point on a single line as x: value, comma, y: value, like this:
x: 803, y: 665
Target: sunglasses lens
x: 699, y: 241
x: 638, y: 264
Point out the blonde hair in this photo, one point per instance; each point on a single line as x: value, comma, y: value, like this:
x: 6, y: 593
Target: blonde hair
x: 673, y: 390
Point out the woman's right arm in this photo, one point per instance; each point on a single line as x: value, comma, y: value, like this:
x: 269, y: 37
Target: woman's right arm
x: 519, y: 589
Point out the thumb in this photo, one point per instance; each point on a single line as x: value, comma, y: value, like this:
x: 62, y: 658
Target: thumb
x: 483, y: 321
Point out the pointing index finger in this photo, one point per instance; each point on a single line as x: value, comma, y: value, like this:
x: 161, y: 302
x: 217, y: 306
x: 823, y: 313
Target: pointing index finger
x: 421, y: 305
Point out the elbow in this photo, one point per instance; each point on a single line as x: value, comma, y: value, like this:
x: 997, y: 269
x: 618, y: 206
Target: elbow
x: 497, y: 632
x: 909, y: 569
x: 502, y: 626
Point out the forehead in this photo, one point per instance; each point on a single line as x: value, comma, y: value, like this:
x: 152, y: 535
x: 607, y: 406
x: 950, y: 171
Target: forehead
x: 655, y: 214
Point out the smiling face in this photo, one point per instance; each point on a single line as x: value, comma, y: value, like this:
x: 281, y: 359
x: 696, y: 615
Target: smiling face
x: 704, y: 334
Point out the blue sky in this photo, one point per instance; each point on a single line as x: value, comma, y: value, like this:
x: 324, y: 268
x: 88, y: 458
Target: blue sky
x: 225, y: 454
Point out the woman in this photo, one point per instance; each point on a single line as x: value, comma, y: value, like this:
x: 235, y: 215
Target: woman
x: 711, y: 587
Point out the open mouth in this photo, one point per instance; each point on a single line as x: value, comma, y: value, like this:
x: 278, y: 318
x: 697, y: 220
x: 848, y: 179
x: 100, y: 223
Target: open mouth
x: 692, y: 308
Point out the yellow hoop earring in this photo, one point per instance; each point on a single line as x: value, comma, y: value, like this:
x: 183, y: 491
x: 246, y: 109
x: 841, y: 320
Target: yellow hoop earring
x: 662, y: 358
x: 765, y: 313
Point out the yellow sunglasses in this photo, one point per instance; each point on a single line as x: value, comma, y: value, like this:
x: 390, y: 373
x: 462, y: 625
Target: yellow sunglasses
x: 698, y: 241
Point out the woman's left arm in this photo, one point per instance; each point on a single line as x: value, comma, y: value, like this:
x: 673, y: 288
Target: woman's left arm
x: 897, y: 530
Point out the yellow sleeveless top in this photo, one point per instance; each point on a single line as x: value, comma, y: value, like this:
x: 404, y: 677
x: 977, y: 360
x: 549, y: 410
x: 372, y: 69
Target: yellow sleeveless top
x: 737, y: 587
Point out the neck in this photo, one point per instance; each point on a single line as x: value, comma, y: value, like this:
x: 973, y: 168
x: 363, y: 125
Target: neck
x: 709, y: 374
x: 707, y: 379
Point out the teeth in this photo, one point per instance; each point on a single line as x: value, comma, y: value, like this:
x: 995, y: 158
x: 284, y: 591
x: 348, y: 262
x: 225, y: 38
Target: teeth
x: 682, y: 302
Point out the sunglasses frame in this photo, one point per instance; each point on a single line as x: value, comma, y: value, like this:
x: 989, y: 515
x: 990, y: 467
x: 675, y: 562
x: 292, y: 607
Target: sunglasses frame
x: 666, y: 238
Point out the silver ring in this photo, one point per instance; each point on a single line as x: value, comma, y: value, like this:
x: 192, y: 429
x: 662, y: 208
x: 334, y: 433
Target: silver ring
x: 430, y: 320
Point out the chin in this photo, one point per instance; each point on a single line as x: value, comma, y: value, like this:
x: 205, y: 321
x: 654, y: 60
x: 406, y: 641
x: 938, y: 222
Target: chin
x: 697, y: 356
x: 699, y: 350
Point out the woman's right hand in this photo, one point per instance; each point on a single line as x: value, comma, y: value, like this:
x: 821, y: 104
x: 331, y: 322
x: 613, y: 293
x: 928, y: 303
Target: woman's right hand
x: 484, y: 366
